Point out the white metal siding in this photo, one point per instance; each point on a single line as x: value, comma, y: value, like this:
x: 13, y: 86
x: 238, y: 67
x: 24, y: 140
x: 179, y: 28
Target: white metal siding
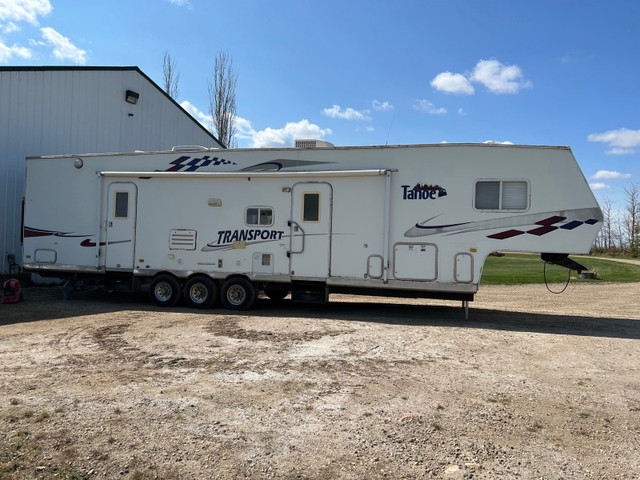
x: 76, y: 110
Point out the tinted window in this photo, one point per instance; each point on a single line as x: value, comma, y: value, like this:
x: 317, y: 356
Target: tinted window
x: 311, y: 207
x: 121, y: 209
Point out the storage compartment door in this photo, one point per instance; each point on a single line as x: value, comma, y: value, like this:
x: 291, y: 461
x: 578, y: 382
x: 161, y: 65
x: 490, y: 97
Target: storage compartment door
x: 464, y: 268
x: 415, y: 261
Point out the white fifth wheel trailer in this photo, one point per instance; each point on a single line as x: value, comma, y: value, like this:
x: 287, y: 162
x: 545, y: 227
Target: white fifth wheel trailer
x: 416, y: 220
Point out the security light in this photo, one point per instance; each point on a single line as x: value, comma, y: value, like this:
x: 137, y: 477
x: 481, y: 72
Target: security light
x: 132, y: 97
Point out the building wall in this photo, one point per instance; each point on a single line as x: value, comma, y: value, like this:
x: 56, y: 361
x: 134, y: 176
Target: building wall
x: 66, y: 110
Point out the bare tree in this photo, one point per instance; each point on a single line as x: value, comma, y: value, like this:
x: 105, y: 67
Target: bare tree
x: 222, y: 99
x: 170, y: 76
x: 632, y: 218
x: 607, y: 225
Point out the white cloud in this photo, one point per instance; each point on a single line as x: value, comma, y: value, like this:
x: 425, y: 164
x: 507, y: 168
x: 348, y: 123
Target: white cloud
x: 609, y: 175
x: 427, y: 106
x: 622, y: 141
x: 269, y: 137
x: 63, y: 49
x: 202, y: 117
x: 455, y: 83
x: 620, y: 151
x: 7, y: 52
x: 181, y: 3
x: 347, y: 114
x: 498, y: 143
x: 499, y: 78
x: 381, y: 106
x: 24, y: 10
x: 284, y: 137
x: 9, y: 27
x: 461, y: 112
x: 599, y: 186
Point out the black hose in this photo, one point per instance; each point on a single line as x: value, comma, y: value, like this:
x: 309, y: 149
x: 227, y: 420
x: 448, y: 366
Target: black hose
x: 546, y: 284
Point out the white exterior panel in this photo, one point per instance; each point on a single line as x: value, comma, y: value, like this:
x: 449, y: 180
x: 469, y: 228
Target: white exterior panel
x: 435, y: 238
x: 58, y: 110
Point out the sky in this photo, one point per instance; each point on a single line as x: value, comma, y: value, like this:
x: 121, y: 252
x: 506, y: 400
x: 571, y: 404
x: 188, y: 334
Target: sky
x: 351, y: 72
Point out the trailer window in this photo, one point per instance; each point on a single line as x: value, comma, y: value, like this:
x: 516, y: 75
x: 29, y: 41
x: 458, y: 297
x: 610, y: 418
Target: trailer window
x: 501, y: 195
x: 311, y: 207
x: 121, y: 205
x: 259, y: 216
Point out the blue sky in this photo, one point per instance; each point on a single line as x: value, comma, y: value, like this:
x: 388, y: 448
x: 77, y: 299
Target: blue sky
x: 369, y: 73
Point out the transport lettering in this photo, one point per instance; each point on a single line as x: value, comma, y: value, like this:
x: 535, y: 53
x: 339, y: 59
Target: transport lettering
x: 247, y: 235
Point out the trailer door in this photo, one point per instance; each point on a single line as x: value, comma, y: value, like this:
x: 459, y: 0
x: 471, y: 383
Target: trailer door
x: 310, y: 248
x: 122, y: 198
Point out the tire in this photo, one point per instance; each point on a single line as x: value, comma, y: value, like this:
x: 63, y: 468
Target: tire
x: 165, y: 291
x: 200, y: 292
x: 276, y: 294
x: 238, y: 294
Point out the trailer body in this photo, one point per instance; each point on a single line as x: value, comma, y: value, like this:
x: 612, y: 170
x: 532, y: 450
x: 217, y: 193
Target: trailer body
x: 414, y: 220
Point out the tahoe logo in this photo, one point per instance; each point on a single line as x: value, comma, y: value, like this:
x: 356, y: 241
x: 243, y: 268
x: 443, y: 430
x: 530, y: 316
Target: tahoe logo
x: 422, y: 192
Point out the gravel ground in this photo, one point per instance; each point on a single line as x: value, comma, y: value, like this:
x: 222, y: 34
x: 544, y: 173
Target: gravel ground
x: 533, y: 385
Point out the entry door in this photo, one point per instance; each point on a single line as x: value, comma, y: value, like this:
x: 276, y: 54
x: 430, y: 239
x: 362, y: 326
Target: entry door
x: 310, y: 249
x: 121, y: 225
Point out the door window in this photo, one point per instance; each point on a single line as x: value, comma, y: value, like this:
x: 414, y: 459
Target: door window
x: 121, y: 205
x: 311, y: 207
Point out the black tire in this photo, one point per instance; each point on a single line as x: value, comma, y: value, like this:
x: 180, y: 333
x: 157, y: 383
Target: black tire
x: 276, y: 294
x: 165, y: 291
x: 200, y: 292
x: 238, y: 294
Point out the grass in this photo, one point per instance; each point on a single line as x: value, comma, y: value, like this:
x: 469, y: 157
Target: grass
x: 522, y: 268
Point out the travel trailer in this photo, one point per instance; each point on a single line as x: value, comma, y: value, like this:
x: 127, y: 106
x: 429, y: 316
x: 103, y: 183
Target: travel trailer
x: 215, y: 224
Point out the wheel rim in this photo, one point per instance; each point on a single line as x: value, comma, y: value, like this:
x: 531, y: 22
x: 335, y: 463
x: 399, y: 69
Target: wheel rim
x: 236, y: 295
x: 198, y: 293
x: 163, y: 291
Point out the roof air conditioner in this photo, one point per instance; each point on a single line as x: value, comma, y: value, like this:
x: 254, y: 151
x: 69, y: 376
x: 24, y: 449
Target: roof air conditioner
x: 312, y: 143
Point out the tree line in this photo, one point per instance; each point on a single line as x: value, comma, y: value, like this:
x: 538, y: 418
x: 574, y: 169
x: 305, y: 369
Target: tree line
x: 620, y: 233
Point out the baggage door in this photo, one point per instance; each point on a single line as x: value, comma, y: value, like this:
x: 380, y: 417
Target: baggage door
x: 310, y: 240
x: 122, y: 198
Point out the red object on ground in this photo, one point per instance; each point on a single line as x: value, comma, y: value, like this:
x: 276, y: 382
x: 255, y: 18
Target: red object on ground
x: 11, y: 291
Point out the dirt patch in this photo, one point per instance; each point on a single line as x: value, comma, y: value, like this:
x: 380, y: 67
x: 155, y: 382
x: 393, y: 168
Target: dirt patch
x: 533, y: 385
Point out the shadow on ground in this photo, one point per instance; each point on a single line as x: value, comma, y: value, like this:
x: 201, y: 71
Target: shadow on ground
x: 47, y: 304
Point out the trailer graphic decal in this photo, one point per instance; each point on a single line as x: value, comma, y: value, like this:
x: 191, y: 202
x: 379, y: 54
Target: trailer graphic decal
x: 539, y: 224
x: 37, y: 232
x: 422, y: 192
x: 89, y: 243
x: 278, y: 164
x: 187, y: 164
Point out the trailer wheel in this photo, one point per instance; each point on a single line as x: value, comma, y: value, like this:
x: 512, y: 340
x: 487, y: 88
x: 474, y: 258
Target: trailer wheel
x: 238, y: 294
x: 165, y: 291
x: 200, y: 292
x: 276, y: 294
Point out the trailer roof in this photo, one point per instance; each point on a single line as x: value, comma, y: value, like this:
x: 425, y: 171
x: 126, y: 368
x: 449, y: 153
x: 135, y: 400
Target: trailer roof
x: 288, y: 149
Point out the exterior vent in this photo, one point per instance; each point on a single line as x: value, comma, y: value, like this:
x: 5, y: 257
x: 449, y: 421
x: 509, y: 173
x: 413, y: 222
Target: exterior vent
x: 182, y: 239
x: 312, y: 143
x: 188, y: 148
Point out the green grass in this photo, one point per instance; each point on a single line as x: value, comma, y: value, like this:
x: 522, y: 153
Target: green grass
x: 519, y: 268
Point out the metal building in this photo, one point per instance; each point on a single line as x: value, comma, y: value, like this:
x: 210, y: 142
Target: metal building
x: 66, y: 110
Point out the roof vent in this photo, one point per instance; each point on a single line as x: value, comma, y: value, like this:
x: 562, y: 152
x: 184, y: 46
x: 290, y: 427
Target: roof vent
x: 187, y: 148
x: 312, y: 143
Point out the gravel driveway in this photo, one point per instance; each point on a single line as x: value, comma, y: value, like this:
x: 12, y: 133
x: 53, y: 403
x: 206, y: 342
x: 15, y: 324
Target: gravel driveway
x: 533, y: 385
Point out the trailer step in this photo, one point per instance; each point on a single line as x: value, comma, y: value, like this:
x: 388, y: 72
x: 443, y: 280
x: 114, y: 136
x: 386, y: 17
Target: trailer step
x: 309, y: 292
